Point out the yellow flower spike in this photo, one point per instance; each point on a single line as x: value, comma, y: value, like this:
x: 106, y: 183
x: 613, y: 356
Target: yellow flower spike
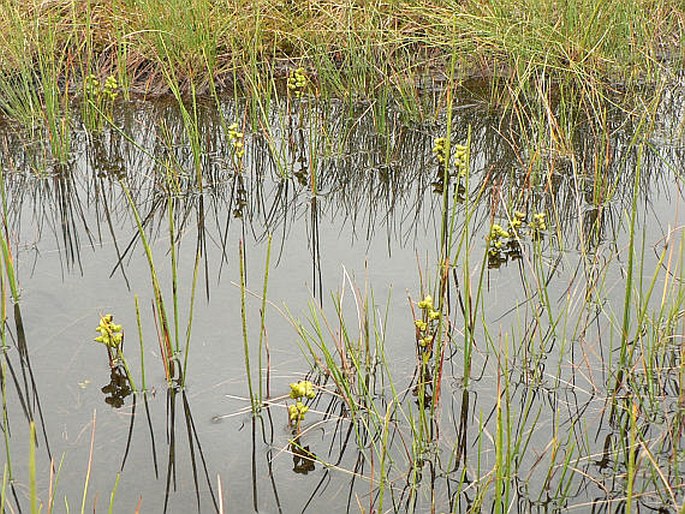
x: 302, y: 389
x: 433, y: 315
x: 515, y: 223
x: 538, y: 223
x: 292, y: 411
x: 294, y: 390
x: 439, y: 149
x: 420, y: 324
x: 297, y: 81
x: 426, y: 303
x: 110, y: 334
x: 309, y: 389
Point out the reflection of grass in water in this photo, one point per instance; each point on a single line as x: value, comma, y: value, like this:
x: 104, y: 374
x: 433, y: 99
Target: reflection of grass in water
x: 511, y: 457
x: 397, y: 440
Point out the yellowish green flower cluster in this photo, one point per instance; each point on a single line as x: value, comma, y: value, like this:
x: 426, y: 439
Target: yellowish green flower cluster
x: 111, y: 334
x: 496, y: 239
x: 297, y: 412
x: 426, y: 325
x: 517, y: 221
x: 460, y: 160
x: 440, y: 149
x: 445, y: 170
x: 504, y: 244
x: 237, y: 140
x: 302, y: 389
x: 94, y: 90
x: 460, y: 157
x: 91, y: 85
x: 111, y: 88
x: 99, y: 100
x: 299, y: 391
x: 538, y: 223
x: 297, y: 81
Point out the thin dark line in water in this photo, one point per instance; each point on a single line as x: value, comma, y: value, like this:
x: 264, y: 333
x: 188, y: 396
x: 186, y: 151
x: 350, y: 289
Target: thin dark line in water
x: 191, y: 424
x: 317, y: 281
x: 202, y: 241
x: 171, y: 440
x: 130, y: 433
x: 283, y: 185
x: 191, y: 448
x: 152, y: 434
x: 223, y: 238
x: 136, y: 237
x: 24, y: 358
x: 108, y: 218
x: 16, y: 498
x: 268, y: 455
x: 20, y: 391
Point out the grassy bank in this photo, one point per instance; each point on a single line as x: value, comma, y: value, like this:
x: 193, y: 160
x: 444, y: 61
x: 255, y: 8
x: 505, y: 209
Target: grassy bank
x: 349, y: 47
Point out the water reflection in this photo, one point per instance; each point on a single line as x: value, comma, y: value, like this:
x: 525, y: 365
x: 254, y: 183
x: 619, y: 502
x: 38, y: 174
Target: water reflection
x: 541, y: 394
x: 118, y: 388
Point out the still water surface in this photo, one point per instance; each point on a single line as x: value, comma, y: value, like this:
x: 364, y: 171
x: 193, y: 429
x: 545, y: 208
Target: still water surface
x: 347, y: 205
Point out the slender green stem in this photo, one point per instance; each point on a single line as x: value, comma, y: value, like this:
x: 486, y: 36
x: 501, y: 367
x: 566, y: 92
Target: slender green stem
x: 243, y: 317
x: 113, y: 494
x: 142, y: 346
x: 262, y: 320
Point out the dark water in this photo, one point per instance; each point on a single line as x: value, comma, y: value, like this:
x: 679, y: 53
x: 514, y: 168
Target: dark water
x: 548, y: 324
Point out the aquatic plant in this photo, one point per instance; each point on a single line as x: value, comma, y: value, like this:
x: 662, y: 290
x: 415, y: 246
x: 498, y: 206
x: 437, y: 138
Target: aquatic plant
x: 237, y: 139
x: 297, y: 82
x: 504, y: 245
x: 538, y: 224
x: 300, y: 392
x: 112, y: 336
x: 99, y: 97
x: 449, y: 169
